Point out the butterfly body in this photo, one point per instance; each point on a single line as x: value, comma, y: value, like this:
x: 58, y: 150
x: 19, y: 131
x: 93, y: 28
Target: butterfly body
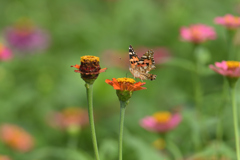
x: 139, y: 67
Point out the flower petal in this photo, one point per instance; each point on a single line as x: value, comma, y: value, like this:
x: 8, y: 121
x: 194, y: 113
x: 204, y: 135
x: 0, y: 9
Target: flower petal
x: 102, y: 70
x: 76, y: 66
x: 109, y: 82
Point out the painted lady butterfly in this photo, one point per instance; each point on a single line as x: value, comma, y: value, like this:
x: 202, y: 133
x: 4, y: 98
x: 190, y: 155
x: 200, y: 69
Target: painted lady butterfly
x: 140, y: 67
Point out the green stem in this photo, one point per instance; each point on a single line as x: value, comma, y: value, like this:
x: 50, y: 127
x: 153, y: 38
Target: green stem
x: 89, y: 88
x: 197, y: 85
x: 172, y: 147
x: 122, y: 113
x: 198, y: 94
x: 72, y: 141
x: 235, y: 121
x: 219, y: 129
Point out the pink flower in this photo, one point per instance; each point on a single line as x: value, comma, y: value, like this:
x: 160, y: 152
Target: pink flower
x: 2, y: 157
x: 229, y: 21
x: 5, y: 53
x: 197, y: 33
x: 16, y: 137
x: 227, y: 68
x: 72, y: 116
x: 161, y: 122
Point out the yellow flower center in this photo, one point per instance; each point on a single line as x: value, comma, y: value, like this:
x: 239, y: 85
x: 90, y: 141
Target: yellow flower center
x: 90, y: 58
x: 126, y: 80
x: 233, y: 64
x: 162, y: 117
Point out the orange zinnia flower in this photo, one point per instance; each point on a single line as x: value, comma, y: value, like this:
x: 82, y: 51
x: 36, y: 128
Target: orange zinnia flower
x: 125, y: 84
x: 72, y: 116
x: 16, y: 137
x: 2, y: 157
x: 89, y: 68
x: 125, y: 87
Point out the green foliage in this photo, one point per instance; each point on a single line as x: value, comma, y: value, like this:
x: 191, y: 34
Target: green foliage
x: 34, y: 85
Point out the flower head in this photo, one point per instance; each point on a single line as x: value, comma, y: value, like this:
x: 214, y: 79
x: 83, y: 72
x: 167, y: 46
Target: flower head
x: 227, y: 68
x: 197, y: 33
x: 2, y: 157
x: 125, y: 87
x: 25, y: 37
x: 70, y: 117
x: 161, y: 122
x: 89, y: 68
x: 229, y: 21
x: 5, y: 53
x: 16, y: 137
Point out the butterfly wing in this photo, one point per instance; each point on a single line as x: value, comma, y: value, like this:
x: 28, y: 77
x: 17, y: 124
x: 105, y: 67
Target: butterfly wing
x: 147, y: 62
x: 133, y: 58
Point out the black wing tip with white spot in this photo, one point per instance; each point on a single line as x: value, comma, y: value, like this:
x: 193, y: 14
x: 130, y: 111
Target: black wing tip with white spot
x: 131, y: 52
x: 131, y: 48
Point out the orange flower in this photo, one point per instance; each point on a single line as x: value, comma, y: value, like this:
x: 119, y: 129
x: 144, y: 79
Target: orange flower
x: 125, y: 84
x: 89, y: 68
x: 2, y: 157
x: 125, y: 87
x: 72, y: 116
x: 16, y: 137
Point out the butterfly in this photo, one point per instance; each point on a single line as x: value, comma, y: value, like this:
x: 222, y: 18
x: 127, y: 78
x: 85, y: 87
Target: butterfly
x: 139, y: 67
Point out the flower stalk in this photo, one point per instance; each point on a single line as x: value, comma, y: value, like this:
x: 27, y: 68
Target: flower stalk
x: 89, y: 88
x: 89, y: 71
x: 235, y: 117
x: 121, y: 124
x: 124, y: 89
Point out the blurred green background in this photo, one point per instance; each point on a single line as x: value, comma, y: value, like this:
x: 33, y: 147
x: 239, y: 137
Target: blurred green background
x: 34, y: 85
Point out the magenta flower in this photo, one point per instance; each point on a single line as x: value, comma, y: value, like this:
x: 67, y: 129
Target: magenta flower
x: 5, y: 53
x: 227, y: 68
x: 229, y: 21
x: 25, y: 37
x: 197, y: 33
x: 161, y: 122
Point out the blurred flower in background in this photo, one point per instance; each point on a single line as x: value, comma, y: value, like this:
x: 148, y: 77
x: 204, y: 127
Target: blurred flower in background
x: 16, y: 137
x: 197, y: 33
x: 161, y: 122
x: 115, y: 58
x: 161, y: 54
x: 2, y: 157
x: 227, y: 68
x: 24, y: 36
x: 120, y: 59
x: 5, y: 53
x: 70, y: 117
x: 229, y: 21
